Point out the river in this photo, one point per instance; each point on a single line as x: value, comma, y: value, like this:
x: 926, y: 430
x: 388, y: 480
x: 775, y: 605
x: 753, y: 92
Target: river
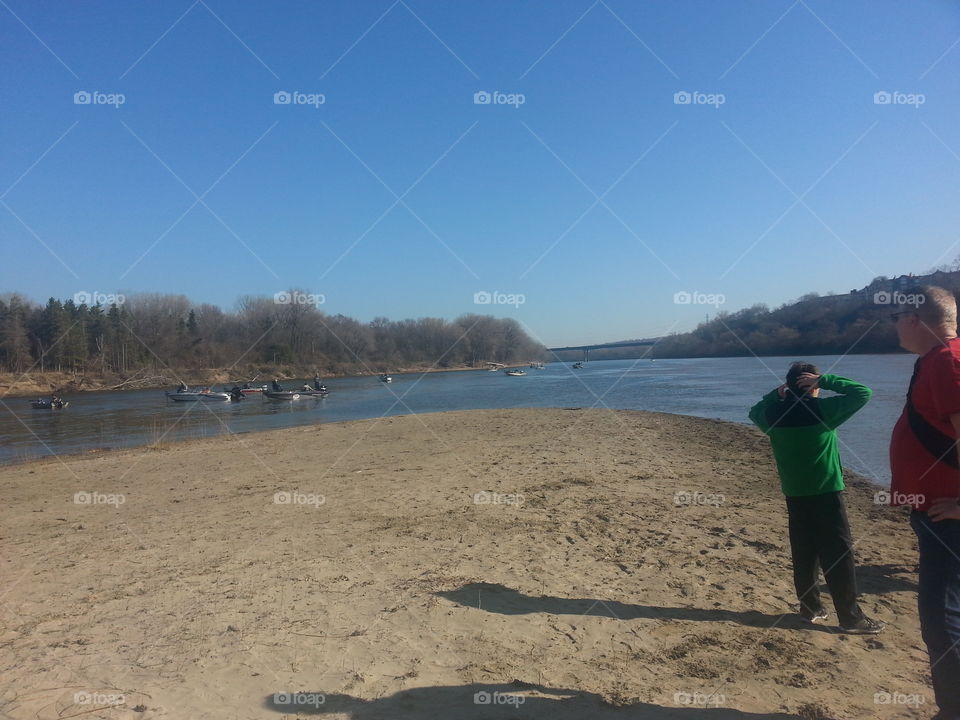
x: 722, y: 388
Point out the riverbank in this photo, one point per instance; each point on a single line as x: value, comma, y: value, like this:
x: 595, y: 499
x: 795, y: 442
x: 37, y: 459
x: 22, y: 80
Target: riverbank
x: 42, y: 384
x: 586, y: 563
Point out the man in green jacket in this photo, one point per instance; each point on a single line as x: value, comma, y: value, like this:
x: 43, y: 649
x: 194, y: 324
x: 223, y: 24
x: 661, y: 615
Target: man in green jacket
x: 802, y: 430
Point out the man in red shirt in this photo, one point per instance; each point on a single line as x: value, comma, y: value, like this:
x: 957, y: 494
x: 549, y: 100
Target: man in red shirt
x: 926, y: 475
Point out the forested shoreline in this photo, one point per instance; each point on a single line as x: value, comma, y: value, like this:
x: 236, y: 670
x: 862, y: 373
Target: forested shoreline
x: 166, y: 336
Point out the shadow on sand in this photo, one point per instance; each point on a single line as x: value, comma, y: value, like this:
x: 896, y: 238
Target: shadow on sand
x: 506, y: 601
x: 467, y: 702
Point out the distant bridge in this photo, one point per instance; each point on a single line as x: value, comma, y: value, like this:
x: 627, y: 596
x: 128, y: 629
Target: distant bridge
x: 605, y: 346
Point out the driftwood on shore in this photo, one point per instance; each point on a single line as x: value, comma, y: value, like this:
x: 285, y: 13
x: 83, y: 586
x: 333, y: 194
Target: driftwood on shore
x: 152, y: 381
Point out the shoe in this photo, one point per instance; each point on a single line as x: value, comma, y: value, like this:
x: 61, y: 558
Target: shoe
x: 813, y: 619
x: 864, y: 626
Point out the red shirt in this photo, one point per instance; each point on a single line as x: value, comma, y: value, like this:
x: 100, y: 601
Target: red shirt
x: 936, y: 396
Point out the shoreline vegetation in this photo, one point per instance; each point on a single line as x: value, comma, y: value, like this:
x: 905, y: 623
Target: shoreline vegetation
x: 32, y: 384
x: 153, y: 340
x: 595, y: 563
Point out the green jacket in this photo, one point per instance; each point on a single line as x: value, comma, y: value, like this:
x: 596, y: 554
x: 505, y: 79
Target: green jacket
x: 803, y: 434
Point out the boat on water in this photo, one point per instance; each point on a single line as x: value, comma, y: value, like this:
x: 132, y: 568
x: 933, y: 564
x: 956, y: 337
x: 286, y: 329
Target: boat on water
x: 195, y: 395
x: 514, y: 373
x: 578, y: 366
x: 253, y: 390
x: 536, y: 365
x: 42, y: 404
x: 385, y: 378
x: 282, y: 394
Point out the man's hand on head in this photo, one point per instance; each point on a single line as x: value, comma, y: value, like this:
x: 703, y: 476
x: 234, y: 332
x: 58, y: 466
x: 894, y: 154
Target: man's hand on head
x: 808, y: 381
x: 944, y: 509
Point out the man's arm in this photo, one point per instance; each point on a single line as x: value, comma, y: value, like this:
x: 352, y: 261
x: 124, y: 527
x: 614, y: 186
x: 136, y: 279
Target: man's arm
x: 758, y: 413
x: 851, y: 396
x: 947, y: 508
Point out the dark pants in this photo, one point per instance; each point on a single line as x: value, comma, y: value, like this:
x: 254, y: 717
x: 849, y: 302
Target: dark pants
x: 820, y: 538
x: 939, y: 604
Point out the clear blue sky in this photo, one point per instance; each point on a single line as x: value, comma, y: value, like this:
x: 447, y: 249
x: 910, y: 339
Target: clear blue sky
x: 706, y: 196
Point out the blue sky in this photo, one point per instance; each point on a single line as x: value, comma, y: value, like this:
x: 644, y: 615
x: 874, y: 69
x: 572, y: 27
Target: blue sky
x: 597, y: 199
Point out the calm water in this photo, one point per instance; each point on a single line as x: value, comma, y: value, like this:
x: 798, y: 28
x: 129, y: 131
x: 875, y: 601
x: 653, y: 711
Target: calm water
x: 723, y: 389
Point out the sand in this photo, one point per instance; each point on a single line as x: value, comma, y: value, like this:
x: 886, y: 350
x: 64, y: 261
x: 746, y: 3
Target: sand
x: 354, y: 563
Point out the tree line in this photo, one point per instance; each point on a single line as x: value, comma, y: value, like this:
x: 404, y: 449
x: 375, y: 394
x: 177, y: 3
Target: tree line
x: 856, y: 322
x: 159, y: 333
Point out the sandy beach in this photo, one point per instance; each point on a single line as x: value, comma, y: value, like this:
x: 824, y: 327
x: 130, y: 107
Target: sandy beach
x: 566, y: 563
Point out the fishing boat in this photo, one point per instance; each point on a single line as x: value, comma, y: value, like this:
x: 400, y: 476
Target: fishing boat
x: 213, y: 395
x: 514, y: 373
x: 184, y: 396
x: 49, y: 404
x: 385, y: 378
x: 578, y: 366
x: 253, y: 390
x: 314, y: 393
x: 282, y: 395
x: 194, y: 395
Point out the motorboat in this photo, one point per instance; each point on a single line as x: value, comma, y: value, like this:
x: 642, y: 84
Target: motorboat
x: 194, y: 395
x: 385, y: 378
x: 514, y: 373
x: 282, y: 395
x: 578, y: 366
x: 184, y: 396
x: 213, y: 395
x: 42, y: 404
